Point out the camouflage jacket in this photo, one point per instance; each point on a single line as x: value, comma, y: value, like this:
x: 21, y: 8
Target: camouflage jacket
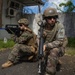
x: 26, y: 37
x: 55, y: 37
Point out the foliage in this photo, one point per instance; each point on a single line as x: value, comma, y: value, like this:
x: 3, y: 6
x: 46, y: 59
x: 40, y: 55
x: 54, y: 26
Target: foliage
x: 71, y: 42
x: 68, y: 4
x: 70, y: 50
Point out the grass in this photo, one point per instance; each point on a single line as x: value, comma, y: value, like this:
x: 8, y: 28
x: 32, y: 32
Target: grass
x: 9, y: 44
x: 70, y: 51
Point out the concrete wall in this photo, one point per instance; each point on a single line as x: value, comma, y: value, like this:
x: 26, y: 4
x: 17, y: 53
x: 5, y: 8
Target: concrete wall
x: 6, y: 20
x: 68, y: 19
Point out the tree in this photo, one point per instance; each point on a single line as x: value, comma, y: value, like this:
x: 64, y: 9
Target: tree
x: 70, y: 6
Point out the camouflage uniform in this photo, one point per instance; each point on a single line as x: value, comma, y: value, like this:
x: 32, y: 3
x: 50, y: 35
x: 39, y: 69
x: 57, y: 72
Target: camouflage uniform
x: 55, y: 42
x: 23, y: 45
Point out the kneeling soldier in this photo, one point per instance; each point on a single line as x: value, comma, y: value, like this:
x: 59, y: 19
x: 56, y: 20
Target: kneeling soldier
x: 25, y: 43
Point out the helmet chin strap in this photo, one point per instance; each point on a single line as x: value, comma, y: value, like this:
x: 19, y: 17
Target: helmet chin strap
x: 50, y: 26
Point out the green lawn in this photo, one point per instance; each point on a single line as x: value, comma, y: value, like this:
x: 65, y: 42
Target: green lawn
x: 9, y: 44
x: 70, y: 51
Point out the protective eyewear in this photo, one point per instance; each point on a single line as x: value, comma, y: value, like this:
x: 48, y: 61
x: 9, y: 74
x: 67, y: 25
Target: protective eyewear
x: 20, y: 24
x: 51, y: 17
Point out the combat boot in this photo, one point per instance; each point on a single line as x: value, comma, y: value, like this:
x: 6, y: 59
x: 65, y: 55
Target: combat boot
x: 59, y: 64
x: 7, y: 64
x: 49, y: 74
x: 46, y: 74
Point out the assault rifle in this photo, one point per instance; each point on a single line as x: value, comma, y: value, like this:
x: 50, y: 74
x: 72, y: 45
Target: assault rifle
x: 42, y: 59
x: 13, y: 29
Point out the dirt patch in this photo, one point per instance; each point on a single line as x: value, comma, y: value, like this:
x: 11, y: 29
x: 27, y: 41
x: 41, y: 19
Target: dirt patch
x: 68, y: 65
x: 31, y: 68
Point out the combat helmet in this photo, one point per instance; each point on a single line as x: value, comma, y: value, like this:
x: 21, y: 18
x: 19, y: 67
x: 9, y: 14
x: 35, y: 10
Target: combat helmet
x: 24, y: 21
x: 50, y: 12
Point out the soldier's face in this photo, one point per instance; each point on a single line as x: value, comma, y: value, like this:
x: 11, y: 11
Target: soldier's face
x: 21, y: 26
x: 51, y: 20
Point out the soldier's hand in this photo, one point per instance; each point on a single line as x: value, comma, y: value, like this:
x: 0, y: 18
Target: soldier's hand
x: 32, y: 49
x: 44, y: 47
x: 44, y: 34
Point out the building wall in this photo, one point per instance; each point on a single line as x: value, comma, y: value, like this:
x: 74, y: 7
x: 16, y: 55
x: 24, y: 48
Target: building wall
x: 66, y: 18
x: 6, y: 20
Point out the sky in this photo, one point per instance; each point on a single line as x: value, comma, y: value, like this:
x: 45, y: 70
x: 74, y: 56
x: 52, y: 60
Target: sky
x: 48, y: 3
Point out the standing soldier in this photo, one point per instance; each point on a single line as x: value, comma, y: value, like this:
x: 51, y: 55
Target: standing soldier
x: 25, y: 43
x: 55, y: 40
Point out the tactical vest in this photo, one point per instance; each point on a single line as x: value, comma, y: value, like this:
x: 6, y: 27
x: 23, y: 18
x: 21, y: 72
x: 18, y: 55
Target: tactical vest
x: 51, y: 34
x: 32, y: 41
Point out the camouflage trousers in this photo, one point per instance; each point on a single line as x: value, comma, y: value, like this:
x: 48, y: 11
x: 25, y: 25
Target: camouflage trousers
x: 18, y: 51
x: 52, y: 61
